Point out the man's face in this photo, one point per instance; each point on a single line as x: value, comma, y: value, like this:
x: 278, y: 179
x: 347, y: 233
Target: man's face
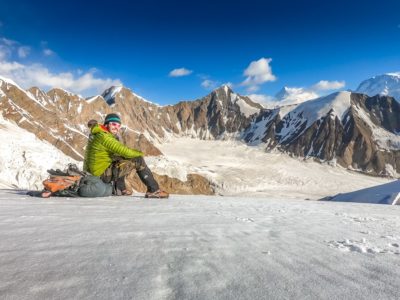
x: 113, y: 127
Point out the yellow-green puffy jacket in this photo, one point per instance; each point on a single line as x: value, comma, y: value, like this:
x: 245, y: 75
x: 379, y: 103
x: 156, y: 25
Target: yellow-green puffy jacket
x: 101, y: 148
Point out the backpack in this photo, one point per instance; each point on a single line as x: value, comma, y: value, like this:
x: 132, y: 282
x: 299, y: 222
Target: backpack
x: 58, y: 183
x: 74, y: 183
x: 63, y: 183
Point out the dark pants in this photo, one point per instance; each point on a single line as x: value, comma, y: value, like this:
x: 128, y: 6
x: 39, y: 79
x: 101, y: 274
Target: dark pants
x: 120, y: 168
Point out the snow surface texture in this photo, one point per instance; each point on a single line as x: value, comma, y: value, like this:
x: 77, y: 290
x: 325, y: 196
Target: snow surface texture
x: 25, y: 159
x: 196, y: 247
x: 237, y: 169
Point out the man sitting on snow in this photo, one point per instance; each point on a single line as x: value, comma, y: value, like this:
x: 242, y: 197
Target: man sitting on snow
x: 108, y: 158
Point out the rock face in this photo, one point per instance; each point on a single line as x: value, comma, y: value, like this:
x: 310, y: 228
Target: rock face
x: 353, y: 130
x: 350, y: 129
x: 195, y: 184
x: 222, y: 113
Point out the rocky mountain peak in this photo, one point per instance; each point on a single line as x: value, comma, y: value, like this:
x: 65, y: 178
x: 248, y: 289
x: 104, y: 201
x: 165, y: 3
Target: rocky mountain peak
x: 224, y: 89
x: 285, y: 91
x: 116, y: 94
x: 57, y: 94
x: 111, y: 93
x: 40, y: 95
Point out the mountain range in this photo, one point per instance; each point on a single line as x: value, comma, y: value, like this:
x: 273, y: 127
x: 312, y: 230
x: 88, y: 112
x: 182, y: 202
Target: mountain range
x: 356, y: 130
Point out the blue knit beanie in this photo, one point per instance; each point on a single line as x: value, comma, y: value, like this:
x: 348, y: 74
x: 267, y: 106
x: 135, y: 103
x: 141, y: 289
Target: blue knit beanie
x: 112, y: 118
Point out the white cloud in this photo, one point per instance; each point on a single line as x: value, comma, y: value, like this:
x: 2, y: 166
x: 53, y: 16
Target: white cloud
x: 253, y: 88
x: 7, y: 68
x: 48, y: 52
x: 36, y: 74
x: 287, y: 96
x: 8, y: 42
x: 5, y: 52
x: 39, y: 75
x: 23, y: 51
x: 265, y: 100
x: 295, y: 95
x: 209, y: 84
x: 179, y: 72
x: 324, y: 85
x: 258, y: 72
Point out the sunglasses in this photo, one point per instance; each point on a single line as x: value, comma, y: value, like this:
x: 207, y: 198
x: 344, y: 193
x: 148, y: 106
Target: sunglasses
x: 114, y: 124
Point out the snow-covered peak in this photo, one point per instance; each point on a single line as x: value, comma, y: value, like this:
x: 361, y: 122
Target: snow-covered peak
x: 246, y: 105
x: 223, y: 89
x: 394, y: 74
x: 109, y: 94
x: 309, y: 112
x: 338, y: 103
x: 286, y: 91
x: 386, y: 85
x: 9, y: 81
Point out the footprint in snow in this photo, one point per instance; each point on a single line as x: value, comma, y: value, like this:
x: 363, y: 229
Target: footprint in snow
x: 249, y: 220
x: 362, y: 246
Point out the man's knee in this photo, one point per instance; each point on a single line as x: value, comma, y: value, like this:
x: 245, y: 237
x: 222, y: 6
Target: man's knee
x: 140, y: 164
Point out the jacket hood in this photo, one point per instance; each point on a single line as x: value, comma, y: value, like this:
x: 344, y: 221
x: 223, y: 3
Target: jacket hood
x: 98, y: 128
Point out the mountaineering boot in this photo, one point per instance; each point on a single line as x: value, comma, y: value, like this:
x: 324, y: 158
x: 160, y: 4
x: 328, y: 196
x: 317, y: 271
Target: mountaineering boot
x: 157, y: 194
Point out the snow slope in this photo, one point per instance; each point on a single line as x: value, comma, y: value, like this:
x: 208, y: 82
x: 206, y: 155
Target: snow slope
x: 388, y: 193
x: 25, y: 159
x: 200, y: 247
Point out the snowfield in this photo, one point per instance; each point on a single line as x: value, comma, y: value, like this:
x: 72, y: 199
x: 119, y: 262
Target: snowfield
x: 239, y: 170
x: 197, y: 247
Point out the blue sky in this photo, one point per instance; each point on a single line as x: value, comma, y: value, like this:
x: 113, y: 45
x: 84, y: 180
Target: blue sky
x: 168, y: 51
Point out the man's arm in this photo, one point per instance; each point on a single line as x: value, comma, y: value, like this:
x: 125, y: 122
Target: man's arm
x: 114, y: 146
